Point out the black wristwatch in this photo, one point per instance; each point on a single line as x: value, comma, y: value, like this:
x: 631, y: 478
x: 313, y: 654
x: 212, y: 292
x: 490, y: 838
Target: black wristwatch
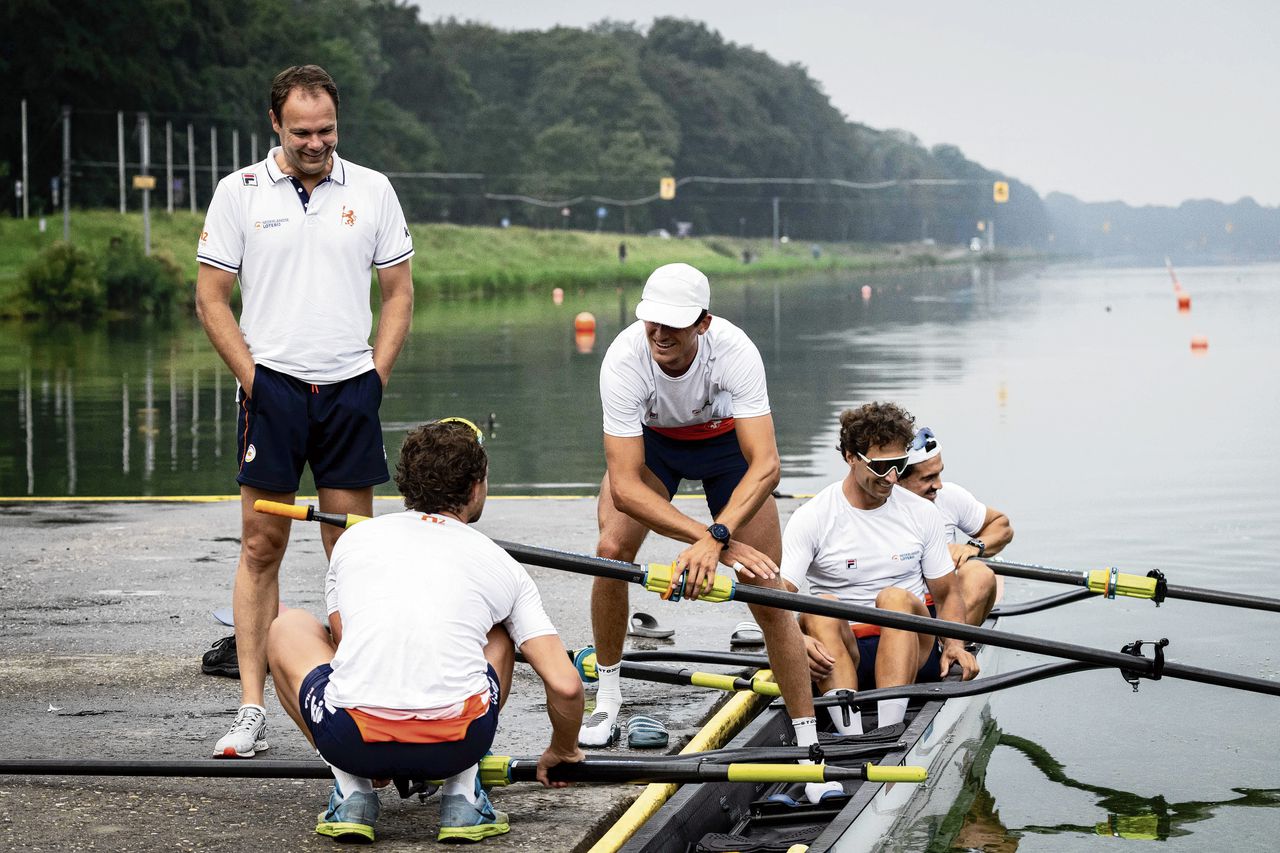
x: 720, y: 533
x: 978, y: 543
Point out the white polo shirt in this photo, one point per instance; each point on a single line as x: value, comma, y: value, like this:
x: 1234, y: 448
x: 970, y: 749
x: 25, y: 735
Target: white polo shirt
x: 854, y: 553
x: 726, y: 380
x: 962, y: 513
x: 304, y: 271
x: 418, y: 595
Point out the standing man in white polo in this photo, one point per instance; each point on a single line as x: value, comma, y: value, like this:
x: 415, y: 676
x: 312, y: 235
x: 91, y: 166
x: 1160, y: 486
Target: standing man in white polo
x: 684, y: 397
x: 301, y: 230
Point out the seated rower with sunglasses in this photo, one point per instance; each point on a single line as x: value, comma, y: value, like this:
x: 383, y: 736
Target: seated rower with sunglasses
x: 862, y: 541
x: 973, y: 530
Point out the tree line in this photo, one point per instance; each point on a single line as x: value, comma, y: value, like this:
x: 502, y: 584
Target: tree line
x: 564, y: 114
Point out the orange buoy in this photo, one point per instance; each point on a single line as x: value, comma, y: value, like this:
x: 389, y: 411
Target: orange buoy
x: 557, y: 295
x: 1184, y: 301
x: 584, y: 342
x: 584, y: 322
x: 1199, y: 343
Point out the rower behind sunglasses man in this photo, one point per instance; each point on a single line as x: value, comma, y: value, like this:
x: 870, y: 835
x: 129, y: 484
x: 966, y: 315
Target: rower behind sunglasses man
x: 862, y: 541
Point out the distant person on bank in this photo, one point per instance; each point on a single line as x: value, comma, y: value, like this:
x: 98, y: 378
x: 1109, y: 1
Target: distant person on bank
x: 430, y: 612
x: 301, y: 231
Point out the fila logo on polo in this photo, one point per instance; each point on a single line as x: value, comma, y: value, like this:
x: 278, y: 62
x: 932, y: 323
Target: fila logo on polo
x: 851, y: 564
x: 249, y: 179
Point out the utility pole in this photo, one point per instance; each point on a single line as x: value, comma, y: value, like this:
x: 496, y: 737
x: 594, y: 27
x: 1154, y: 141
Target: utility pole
x: 66, y: 174
x: 144, y: 131
x: 235, y: 149
x: 213, y: 160
x: 253, y: 146
x: 191, y: 166
x: 26, y: 178
x: 168, y: 166
x: 776, y: 231
x: 120, y: 148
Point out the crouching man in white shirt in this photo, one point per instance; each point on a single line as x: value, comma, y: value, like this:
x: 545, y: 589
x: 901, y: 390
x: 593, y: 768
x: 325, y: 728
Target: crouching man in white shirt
x: 425, y: 614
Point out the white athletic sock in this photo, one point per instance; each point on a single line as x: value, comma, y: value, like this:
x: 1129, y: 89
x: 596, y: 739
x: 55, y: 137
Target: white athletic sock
x: 599, y: 731
x: 349, y: 784
x: 806, y: 736
x: 891, y: 711
x: 854, y: 726
x: 464, y: 783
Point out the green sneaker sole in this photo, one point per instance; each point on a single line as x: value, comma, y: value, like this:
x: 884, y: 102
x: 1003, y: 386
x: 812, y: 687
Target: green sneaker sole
x: 471, y: 834
x: 349, y: 833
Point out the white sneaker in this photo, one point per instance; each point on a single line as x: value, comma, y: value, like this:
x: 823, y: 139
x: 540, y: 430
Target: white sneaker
x: 600, y: 729
x: 816, y: 791
x: 245, y: 739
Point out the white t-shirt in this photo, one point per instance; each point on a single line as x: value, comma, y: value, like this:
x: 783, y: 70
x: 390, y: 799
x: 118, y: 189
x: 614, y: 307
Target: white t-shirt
x: 854, y: 553
x: 726, y: 380
x: 418, y: 594
x: 304, y: 272
x: 962, y: 513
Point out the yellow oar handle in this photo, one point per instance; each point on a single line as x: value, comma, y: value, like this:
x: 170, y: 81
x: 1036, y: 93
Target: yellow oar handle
x: 1111, y: 583
x: 729, y: 683
x: 297, y: 512
x: 663, y: 579
x: 303, y: 512
x: 495, y: 771
x: 776, y: 773
x: 905, y: 773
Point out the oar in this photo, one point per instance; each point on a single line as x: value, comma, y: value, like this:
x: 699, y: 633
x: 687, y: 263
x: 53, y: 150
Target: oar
x: 1110, y: 582
x: 664, y: 580
x: 495, y: 770
x: 585, y: 661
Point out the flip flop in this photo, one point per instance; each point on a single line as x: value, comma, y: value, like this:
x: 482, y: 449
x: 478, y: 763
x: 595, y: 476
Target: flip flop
x: 746, y: 634
x: 644, y: 732
x: 644, y: 625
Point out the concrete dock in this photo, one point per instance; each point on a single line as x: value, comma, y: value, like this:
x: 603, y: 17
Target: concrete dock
x: 107, y: 609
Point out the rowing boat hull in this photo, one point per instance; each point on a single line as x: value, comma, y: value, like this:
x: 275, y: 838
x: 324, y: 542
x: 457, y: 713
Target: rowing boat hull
x: 939, y: 735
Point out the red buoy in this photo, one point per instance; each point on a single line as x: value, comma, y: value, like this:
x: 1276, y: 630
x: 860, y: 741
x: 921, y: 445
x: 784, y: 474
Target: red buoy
x: 1199, y: 343
x: 584, y: 322
x: 1184, y: 301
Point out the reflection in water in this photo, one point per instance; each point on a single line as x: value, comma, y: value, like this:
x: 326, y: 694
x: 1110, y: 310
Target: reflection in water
x: 124, y: 423
x: 1129, y: 815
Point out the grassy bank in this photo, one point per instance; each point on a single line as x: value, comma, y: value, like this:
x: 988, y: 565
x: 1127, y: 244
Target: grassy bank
x: 455, y: 261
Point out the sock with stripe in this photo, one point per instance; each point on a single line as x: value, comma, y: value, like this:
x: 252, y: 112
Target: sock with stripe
x: 600, y: 726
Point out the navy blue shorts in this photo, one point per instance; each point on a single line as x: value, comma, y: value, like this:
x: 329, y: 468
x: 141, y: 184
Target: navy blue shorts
x: 718, y: 462
x: 869, y: 646
x: 288, y: 423
x: 339, y: 741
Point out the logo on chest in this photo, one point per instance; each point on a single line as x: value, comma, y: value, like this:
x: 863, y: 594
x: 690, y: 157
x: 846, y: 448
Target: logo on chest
x: 851, y: 564
x: 348, y: 217
x: 265, y: 224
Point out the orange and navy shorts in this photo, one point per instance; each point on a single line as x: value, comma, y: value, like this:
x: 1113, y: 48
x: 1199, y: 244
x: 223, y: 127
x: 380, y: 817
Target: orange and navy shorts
x: 358, y: 744
x: 288, y: 423
x: 868, y: 637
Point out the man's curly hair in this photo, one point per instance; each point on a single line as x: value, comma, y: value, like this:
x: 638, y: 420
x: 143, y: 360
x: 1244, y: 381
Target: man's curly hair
x: 440, y: 463
x: 874, y: 425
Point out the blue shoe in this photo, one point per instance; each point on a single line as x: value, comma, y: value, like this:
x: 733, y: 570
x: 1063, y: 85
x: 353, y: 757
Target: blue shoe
x: 350, y: 820
x: 462, y: 822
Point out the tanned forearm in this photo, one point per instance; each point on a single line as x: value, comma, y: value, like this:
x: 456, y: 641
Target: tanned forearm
x: 394, y: 317
x: 996, y: 532
x: 213, y: 307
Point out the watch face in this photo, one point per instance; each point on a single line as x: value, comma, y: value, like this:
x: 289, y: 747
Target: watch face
x: 720, y: 533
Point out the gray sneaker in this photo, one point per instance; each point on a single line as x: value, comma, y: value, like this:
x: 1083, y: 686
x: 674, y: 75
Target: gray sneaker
x: 464, y: 822
x: 245, y: 739
x: 350, y: 820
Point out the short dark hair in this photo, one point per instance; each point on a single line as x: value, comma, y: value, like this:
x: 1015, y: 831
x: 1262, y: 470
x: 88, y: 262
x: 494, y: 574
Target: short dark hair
x: 440, y: 463
x: 874, y: 425
x: 310, y: 78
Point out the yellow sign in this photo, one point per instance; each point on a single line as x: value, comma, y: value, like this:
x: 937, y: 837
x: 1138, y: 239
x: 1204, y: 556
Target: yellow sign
x: 667, y: 189
x: 144, y: 182
x: 1000, y: 191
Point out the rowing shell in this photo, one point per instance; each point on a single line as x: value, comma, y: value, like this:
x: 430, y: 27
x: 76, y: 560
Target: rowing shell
x: 942, y: 735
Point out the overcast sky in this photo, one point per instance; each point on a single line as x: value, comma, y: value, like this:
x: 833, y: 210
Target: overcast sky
x: 1143, y: 101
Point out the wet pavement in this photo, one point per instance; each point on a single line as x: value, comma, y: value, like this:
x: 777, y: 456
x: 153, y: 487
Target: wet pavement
x: 106, y: 610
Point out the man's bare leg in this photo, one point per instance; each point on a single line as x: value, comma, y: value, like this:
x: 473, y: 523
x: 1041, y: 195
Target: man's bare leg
x: 343, y: 502
x: 296, y: 644
x: 620, y: 539
x: 979, y: 588
x: 837, y: 638
x: 901, y: 653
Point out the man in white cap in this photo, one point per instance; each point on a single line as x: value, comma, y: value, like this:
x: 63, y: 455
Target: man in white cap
x: 973, y: 529
x: 684, y: 398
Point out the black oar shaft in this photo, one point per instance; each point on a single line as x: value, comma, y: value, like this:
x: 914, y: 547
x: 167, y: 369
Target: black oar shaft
x: 1033, y: 571
x: 904, y: 621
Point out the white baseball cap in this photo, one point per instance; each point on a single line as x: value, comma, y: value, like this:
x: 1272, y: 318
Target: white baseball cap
x: 923, y: 447
x: 675, y: 296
